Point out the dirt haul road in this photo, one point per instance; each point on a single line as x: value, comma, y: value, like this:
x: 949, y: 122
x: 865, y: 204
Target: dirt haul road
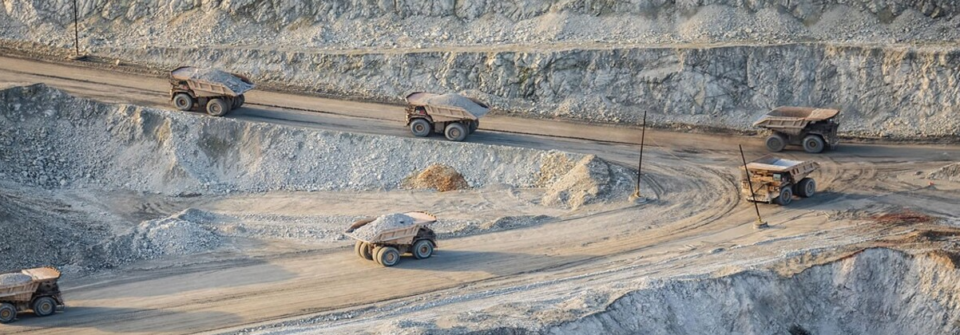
x: 694, y: 225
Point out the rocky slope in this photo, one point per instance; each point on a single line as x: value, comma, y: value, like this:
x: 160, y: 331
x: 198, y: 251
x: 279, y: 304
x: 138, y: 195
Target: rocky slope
x: 53, y: 140
x: 875, y: 291
x: 879, y: 291
x: 417, y: 23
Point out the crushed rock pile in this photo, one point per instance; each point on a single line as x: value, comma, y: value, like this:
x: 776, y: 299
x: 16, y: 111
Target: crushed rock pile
x: 171, y: 236
x: 458, y: 101
x: 439, y: 177
x: 59, y: 141
x: 878, y: 291
x: 12, y: 279
x: 590, y: 180
x: 949, y: 172
x: 384, y: 222
x: 227, y: 79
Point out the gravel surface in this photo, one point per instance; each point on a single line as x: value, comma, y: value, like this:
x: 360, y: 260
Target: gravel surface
x: 383, y: 223
x: 219, y: 77
x: 455, y: 228
x: 171, y: 236
x: 456, y: 100
x: 43, y: 229
x: 13, y: 279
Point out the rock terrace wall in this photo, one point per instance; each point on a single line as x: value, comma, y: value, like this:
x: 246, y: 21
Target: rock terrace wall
x: 879, y: 291
x: 883, y: 92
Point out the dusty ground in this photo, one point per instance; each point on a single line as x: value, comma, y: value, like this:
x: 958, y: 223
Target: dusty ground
x: 507, y: 261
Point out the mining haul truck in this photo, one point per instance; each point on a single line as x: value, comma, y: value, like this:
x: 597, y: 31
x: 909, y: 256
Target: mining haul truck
x: 385, y: 238
x: 453, y: 115
x: 31, y: 289
x: 218, y: 92
x: 813, y: 128
x: 777, y: 180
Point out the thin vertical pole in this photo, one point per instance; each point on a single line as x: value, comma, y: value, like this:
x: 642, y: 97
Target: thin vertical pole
x: 750, y: 183
x: 76, y: 28
x: 643, y: 134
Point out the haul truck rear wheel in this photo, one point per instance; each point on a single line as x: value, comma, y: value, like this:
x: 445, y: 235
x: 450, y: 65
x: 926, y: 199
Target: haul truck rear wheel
x: 776, y: 142
x: 422, y: 249
x: 388, y: 256
x: 217, y: 107
x: 786, y: 196
x: 44, y: 306
x: 456, y: 132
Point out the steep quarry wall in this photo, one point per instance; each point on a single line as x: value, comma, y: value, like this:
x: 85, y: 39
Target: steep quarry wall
x: 895, y: 92
x: 879, y: 291
x: 892, y: 66
x: 412, y: 23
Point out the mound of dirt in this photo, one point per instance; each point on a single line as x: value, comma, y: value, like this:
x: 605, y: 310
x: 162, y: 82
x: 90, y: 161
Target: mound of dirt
x: 590, y: 180
x: 439, y: 177
x: 227, y: 79
x: 949, y: 172
x: 172, y: 236
x: 385, y: 222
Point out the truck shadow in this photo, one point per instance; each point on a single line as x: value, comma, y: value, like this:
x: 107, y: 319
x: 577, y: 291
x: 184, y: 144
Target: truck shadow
x: 201, y: 277
x: 124, y: 320
x: 492, y: 262
x: 822, y: 199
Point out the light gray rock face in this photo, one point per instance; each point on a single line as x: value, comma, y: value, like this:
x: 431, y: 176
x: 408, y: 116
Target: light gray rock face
x: 889, y: 92
x: 329, y: 10
x: 879, y: 291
